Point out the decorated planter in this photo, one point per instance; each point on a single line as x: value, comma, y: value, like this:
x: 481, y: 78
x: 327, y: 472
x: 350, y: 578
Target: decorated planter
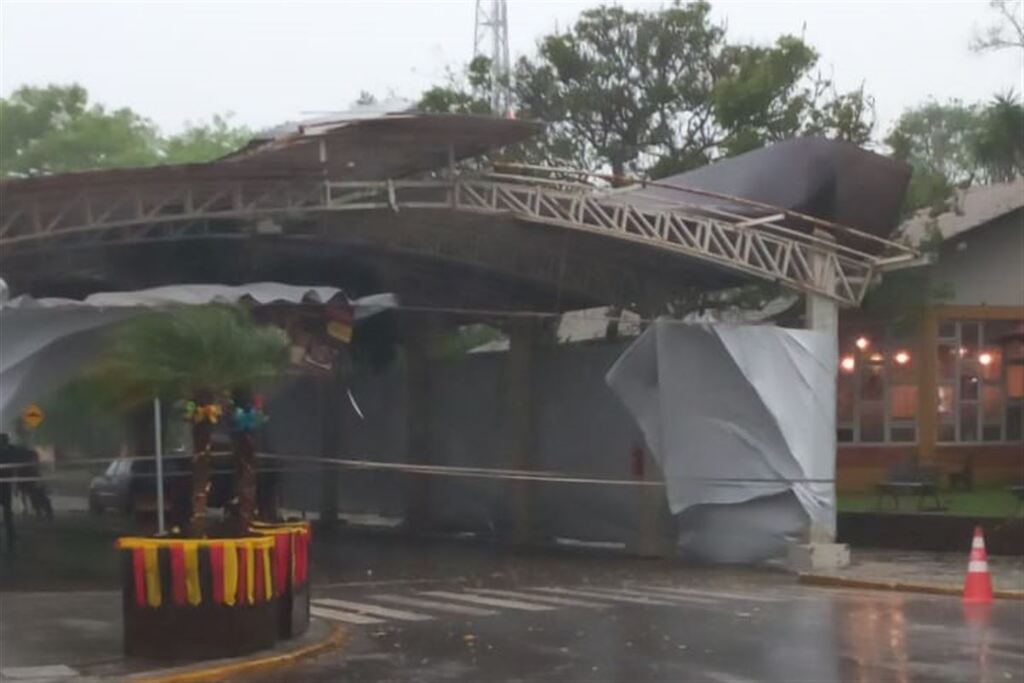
x: 198, y: 599
x: 291, y: 574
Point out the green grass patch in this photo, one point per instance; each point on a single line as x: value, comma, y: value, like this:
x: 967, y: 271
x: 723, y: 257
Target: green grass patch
x: 995, y: 502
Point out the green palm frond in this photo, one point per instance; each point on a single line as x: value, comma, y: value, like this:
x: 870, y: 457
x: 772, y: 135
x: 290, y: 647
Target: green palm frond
x: 181, y: 351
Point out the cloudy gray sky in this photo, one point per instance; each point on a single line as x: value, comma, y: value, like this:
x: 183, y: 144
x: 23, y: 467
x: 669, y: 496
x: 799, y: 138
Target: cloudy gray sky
x: 272, y: 61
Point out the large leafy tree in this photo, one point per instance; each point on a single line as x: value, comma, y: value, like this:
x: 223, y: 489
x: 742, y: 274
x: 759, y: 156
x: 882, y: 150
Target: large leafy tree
x: 55, y: 129
x: 998, y: 145
x: 662, y: 91
x: 1007, y: 32
x: 204, y: 141
x: 934, y: 139
x: 953, y: 144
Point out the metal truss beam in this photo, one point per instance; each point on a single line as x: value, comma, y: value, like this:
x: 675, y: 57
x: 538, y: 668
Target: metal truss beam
x: 759, y: 248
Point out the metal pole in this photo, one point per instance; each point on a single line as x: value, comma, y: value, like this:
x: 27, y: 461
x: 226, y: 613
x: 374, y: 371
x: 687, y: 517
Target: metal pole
x: 158, y: 436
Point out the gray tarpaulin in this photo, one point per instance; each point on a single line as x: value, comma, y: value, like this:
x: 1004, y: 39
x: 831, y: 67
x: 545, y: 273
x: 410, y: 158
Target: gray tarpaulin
x: 45, y: 342
x: 742, y: 422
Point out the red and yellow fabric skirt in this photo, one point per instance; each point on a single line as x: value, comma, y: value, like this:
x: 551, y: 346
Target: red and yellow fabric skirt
x: 183, y: 572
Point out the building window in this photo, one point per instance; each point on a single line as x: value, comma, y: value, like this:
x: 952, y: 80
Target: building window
x: 876, y: 387
x: 981, y: 381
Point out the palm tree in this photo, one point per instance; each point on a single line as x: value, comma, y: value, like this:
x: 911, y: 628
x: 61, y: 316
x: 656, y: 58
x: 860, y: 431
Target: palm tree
x: 207, y: 356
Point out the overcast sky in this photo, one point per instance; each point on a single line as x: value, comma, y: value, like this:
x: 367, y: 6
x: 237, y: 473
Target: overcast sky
x: 272, y: 61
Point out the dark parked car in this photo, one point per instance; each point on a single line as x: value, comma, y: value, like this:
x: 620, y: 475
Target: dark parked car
x: 128, y: 486
x: 111, y: 490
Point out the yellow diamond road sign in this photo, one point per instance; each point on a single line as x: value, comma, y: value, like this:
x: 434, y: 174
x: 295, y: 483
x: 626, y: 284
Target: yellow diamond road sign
x: 33, y: 416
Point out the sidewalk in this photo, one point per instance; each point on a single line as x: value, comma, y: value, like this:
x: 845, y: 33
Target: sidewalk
x: 76, y: 636
x: 920, y: 571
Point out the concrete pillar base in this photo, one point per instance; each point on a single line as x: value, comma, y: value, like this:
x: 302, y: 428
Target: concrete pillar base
x: 808, y: 557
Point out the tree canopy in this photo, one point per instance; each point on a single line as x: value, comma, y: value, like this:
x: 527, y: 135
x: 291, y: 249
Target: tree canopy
x: 183, y: 351
x: 1006, y: 32
x: 54, y: 129
x: 953, y: 144
x: 660, y: 91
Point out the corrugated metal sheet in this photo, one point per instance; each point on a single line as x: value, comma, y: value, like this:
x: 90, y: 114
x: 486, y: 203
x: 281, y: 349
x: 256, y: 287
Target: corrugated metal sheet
x: 972, y: 207
x: 371, y: 148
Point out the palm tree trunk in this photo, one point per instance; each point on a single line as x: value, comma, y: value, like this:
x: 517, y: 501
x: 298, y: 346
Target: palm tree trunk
x: 245, y: 459
x: 202, y: 436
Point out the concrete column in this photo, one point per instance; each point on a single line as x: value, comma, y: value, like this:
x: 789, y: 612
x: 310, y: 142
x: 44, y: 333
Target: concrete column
x: 331, y: 436
x: 928, y: 387
x: 519, y: 418
x: 422, y: 336
x: 822, y: 315
x: 655, y: 535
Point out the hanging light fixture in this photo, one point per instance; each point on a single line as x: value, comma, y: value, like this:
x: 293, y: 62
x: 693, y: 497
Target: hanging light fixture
x: 901, y: 357
x: 848, y: 364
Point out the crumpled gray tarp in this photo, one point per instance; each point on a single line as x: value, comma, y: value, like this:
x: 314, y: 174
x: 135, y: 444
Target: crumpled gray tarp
x: 736, y: 415
x: 45, y: 342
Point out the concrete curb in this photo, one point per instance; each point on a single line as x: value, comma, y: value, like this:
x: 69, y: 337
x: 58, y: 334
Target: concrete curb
x: 830, y: 581
x: 223, y: 669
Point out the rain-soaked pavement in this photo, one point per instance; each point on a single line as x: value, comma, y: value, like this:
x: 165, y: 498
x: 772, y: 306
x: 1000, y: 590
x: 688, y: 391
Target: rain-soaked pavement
x: 442, y: 611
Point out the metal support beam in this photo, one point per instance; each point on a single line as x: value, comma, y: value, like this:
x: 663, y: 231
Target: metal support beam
x: 760, y: 248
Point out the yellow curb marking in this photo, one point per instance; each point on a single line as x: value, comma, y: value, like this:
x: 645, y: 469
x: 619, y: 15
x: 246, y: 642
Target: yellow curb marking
x: 335, y: 639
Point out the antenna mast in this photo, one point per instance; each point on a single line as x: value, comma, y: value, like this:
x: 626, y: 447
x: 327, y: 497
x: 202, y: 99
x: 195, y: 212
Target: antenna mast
x: 490, y: 39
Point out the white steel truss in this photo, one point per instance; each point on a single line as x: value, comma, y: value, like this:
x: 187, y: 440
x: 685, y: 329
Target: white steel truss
x: 758, y: 247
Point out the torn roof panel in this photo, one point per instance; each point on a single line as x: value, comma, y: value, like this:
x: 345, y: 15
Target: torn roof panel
x: 971, y: 207
x: 370, y: 148
x: 830, y: 180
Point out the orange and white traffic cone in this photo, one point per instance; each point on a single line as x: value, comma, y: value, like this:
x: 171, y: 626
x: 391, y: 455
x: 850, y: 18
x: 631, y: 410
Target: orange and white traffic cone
x: 978, y: 584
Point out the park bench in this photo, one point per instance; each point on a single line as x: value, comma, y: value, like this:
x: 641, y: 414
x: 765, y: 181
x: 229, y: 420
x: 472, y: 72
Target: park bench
x: 911, y: 480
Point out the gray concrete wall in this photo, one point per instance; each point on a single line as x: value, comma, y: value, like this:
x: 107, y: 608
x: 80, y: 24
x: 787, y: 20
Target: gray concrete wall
x: 986, y: 265
x: 580, y: 429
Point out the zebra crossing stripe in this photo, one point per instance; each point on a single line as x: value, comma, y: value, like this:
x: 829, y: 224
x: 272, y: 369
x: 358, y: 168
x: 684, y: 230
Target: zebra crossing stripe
x: 490, y: 602
x: 346, y: 617
x: 655, y: 595
x: 434, y: 605
x: 672, y: 590
x: 49, y: 672
x: 375, y: 610
x: 564, y: 602
x: 617, y: 596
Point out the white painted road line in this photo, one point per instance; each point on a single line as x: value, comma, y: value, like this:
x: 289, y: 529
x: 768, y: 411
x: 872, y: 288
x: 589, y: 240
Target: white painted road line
x: 434, y: 605
x: 617, y: 597
x: 48, y: 672
x: 490, y: 602
x: 564, y: 602
x: 347, y: 617
x: 375, y: 610
x: 656, y: 595
x: 696, y: 592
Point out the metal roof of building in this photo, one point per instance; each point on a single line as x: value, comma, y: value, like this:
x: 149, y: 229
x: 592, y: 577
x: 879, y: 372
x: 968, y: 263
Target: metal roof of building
x: 971, y: 207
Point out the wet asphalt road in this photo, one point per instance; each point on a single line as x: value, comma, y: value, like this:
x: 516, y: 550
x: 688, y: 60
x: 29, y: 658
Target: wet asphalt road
x: 437, y: 611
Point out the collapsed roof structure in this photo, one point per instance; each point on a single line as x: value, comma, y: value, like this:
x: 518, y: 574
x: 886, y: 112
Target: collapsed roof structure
x: 376, y: 203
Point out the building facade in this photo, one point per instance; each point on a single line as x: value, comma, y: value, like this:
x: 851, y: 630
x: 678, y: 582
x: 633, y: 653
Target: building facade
x: 943, y: 384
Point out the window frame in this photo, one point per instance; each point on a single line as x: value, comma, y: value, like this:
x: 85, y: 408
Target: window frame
x: 885, y: 344
x: 958, y: 342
